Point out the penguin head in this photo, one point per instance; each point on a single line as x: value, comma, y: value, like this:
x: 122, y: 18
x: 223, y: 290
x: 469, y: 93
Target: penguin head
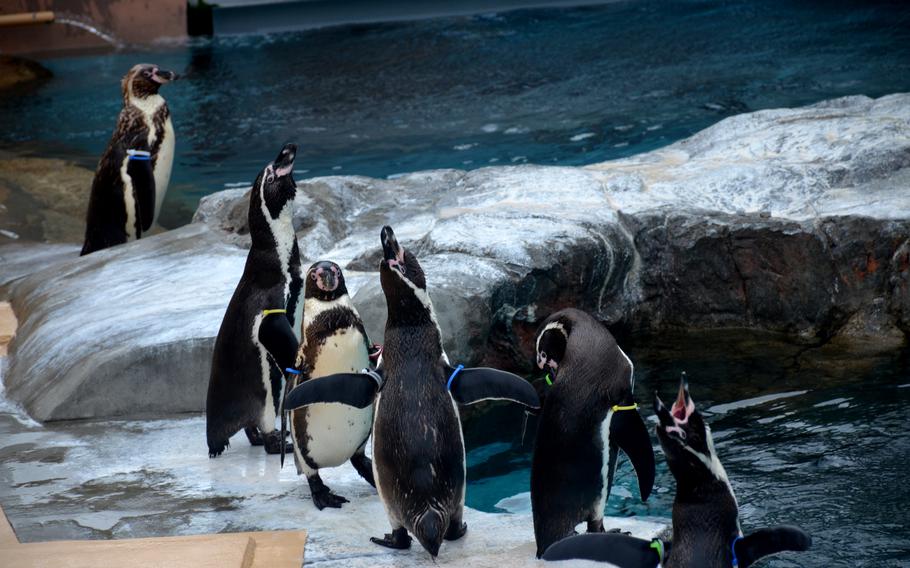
x: 686, y: 438
x: 552, y: 339
x: 144, y: 80
x: 275, y: 185
x: 403, y: 281
x: 325, y: 281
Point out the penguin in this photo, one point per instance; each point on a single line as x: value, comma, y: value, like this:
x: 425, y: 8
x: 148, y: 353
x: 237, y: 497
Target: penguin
x: 418, y: 445
x: 588, y: 415
x: 706, y: 527
x: 257, y: 338
x: 333, y: 341
x: 135, y: 169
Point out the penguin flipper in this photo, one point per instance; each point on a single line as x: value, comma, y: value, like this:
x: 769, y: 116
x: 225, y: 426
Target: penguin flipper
x: 770, y: 541
x: 142, y: 176
x: 628, y: 431
x: 483, y: 383
x: 618, y: 549
x: 353, y: 389
x: 278, y: 338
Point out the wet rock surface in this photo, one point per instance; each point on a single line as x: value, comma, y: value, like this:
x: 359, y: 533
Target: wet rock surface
x: 43, y: 199
x: 793, y: 221
x: 116, y: 479
x: 19, y: 72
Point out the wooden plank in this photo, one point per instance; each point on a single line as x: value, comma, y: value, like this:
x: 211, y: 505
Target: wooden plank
x: 7, y: 534
x: 221, y: 550
x: 8, y: 326
x: 279, y: 549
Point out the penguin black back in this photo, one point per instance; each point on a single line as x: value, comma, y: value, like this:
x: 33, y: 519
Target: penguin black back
x: 588, y: 415
x: 134, y: 170
x: 245, y: 384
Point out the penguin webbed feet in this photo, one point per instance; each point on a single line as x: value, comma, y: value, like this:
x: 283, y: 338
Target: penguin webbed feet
x: 322, y: 495
x: 328, y: 499
x: 216, y: 450
x: 397, y: 539
x: 275, y: 443
x: 456, y: 531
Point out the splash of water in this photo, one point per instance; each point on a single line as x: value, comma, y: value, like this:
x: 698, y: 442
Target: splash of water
x: 81, y: 23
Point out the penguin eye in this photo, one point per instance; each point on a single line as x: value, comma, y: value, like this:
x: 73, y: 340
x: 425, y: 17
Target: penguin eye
x: 270, y: 178
x: 313, y: 275
x: 543, y: 355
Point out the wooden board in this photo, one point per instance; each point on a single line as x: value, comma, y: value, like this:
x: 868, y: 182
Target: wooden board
x: 7, y: 535
x: 271, y: 549
x: 279, y: 549
x: 228, y: 551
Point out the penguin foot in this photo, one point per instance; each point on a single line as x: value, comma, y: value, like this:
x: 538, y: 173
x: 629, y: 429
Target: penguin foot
x: 596, y: 526
x: 618, y: 531
x: 253, y: 435
x: 326, y: 498
x: 397, y: 539
x: 455, y: 531
x: 217, y: 449
x: 273, y: 441
x: 364, y: 467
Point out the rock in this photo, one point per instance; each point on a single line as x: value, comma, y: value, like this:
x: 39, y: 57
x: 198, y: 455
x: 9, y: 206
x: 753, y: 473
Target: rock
x: 124, y: 331
x: 43, y: 199
x: 19, y: 71
x: 789, y: 221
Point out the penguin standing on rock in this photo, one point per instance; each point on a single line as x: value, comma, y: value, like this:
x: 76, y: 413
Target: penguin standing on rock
x: 135, y: 169
x: 706, y: 529
x: 418, y: 447
x: 588, y: 416
x: 257, y: 339
x: 333, y: 341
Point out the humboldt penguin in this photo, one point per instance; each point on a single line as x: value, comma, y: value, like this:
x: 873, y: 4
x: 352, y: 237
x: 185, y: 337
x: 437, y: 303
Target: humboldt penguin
x: 257, y: 338
x: 588, y: 415
x: 418, y: 446
x: 706, y: 527
x: 333, y: 341
x: 134, y: 171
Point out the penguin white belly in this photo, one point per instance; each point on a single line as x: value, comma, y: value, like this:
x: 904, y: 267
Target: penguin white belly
x: 163, y: 165
x: 335, y: 431
x: 601, y: 502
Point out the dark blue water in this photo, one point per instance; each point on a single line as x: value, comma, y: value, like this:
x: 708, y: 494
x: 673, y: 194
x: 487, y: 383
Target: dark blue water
x: 557, y: 86
x: 829, y: 451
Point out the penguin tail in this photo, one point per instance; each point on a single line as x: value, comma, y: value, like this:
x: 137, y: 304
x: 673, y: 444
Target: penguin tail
x: 429, y: 530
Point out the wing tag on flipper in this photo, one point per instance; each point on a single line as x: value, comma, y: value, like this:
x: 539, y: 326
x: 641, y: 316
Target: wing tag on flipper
x: 142, y: 176
x: 628, y: 431
x: 772, y: 540
x: 617, y: 549
x: 353, y: 389
x: 483, y: 383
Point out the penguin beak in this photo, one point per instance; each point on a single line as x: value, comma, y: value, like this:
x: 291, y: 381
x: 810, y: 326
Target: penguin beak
x: 164, y: 77
x: 393, y: 254
x: 284, y: 163
x: 326, y: 280
x: 683, y: 407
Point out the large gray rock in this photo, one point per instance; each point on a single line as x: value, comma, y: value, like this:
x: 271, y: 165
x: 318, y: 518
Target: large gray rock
x: 793, y: 221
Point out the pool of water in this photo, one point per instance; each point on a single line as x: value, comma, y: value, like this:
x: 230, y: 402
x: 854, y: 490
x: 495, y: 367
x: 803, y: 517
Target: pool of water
x: 822, y: 446
x: 549, y: 86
